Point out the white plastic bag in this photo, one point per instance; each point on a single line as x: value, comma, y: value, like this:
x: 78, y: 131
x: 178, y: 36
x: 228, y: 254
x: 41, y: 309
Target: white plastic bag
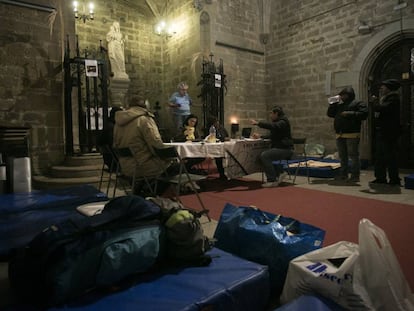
x: 381, y: 272
x: 333, y: 272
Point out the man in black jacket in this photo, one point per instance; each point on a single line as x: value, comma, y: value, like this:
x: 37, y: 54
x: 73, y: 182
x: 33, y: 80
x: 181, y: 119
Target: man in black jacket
x: 281, y: 149
x: 387, y: 132
x: 348, y: 114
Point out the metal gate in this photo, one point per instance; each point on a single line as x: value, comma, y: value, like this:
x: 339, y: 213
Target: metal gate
x: 213, y: 84
x: 86, y: 98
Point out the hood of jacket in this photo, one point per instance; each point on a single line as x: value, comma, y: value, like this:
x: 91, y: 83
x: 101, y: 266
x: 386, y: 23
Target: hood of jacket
x: 122, y: 118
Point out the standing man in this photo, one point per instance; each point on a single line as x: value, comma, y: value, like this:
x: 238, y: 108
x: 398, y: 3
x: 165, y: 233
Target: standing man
x: 180, y: 103
x: 387, y: 132
x: 348, y: 113
x: 281, y: 148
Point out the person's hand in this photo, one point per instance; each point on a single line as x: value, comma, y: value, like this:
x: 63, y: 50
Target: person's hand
x: 347, y: 113
x: 253, y: 122
x: 256, y: 135
x: 173, y: 105
x: 373, y: 100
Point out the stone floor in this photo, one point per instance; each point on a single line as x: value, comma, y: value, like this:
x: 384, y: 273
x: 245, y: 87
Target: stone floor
x: 361, y: 189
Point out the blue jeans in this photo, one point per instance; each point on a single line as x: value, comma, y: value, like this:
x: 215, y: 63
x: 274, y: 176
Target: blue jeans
x: 274, y: 154
x: 348, y: 148
x: 178, y: 122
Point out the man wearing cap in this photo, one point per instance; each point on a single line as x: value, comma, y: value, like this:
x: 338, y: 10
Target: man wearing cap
x: 180, y: 103
x: 348, y: 113
x: 387, y: 132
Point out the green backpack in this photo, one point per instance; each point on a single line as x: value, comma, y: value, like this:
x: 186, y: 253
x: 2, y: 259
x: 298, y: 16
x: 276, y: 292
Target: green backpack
x: 186, y: 243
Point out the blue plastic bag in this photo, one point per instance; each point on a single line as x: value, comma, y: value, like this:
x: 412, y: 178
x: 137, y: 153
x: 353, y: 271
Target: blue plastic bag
x: 265, y: 238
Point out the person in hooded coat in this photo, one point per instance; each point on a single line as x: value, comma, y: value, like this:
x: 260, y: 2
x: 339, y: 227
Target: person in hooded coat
x: 135, y: 128
x: 348, y: 113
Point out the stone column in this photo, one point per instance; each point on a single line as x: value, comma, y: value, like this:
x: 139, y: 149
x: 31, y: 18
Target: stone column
x: 118, y: 88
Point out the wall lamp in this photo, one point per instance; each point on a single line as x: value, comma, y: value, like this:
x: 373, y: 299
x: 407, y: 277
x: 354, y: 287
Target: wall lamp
x: 163, y: 28
x: 364, y: 29
x: 84, y: 17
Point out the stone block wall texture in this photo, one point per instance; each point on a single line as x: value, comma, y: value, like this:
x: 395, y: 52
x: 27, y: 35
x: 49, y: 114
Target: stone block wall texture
x: 309, y: 39
x: 31, y: 87
x: 236, y: 24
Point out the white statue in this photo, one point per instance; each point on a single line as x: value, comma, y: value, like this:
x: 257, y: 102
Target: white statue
x: 116, y: 51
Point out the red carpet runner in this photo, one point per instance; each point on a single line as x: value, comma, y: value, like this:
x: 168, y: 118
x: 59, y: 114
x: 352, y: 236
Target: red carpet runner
x: 338, y: 214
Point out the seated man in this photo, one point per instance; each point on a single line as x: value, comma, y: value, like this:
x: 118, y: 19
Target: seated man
x: 135, y: 128
x: 281, y: 148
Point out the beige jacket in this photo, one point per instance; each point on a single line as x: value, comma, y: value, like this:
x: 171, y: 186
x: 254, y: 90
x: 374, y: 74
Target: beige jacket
x: 135, y: 128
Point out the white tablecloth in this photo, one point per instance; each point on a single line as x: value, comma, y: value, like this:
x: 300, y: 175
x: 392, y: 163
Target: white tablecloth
x: 201, y: 149
x: 241, y: 157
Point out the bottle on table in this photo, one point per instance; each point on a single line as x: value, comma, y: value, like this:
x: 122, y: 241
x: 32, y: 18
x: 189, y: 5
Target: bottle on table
x: 212, y: 134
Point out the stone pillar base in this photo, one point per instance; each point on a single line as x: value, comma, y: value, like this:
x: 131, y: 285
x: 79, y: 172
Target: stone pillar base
x: 118, y: 88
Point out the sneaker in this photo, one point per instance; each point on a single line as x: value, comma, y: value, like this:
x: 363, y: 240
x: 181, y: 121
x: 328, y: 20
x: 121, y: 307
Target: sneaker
x: 353, y: 179
x: 271, y: 184
x: 191, y: 187
x: 378, y: 181
x: 223, y: 177
x: 341, y: 177
x: 395, y: 183
x: 282, y: 177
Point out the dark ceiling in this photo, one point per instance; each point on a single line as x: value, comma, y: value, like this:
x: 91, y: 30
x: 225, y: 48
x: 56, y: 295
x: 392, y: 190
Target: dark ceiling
x: 148, y: 8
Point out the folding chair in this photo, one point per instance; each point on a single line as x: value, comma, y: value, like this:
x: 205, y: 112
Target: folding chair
x: 105, y: 152
x: 116, y: 171
x: 148, y: 184
x: 299, y: 156
x: 113, y: 169
x: 183, y: 177
x: 295, y: 161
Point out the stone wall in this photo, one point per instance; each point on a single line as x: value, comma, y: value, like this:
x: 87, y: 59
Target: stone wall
x: 311, y: 55
x: 31, y: 87
x: 235, y: 35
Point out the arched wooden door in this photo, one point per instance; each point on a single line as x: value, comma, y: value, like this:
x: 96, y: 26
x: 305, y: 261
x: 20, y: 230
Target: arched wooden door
x: 397, y: 62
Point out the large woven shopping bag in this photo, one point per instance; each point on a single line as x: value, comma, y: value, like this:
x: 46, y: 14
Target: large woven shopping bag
x: 265, y: 238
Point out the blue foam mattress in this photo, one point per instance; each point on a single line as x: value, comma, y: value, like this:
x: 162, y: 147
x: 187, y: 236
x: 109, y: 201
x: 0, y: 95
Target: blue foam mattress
x: 409, y: 181
x: 320, y: 172
x: 23, y: 215
x: 229, y: 283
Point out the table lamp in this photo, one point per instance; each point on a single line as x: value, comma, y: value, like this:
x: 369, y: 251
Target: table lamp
x: 234, y: 129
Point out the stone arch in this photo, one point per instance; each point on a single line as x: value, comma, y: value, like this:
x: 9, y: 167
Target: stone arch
x: 363, y: 63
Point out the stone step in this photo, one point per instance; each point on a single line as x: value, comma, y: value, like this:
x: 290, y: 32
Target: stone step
x: 84, y: 160
x: 45, y: 182
x: 75, y: 171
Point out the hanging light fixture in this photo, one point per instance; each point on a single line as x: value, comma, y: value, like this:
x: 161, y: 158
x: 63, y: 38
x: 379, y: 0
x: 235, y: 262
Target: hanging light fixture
x: 84, y: 17
x: 162, y: 28
x: 165, y: 27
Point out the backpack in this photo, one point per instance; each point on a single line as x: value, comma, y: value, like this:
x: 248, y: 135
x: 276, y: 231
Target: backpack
x: 186, y: 243
x: 70, y: 258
